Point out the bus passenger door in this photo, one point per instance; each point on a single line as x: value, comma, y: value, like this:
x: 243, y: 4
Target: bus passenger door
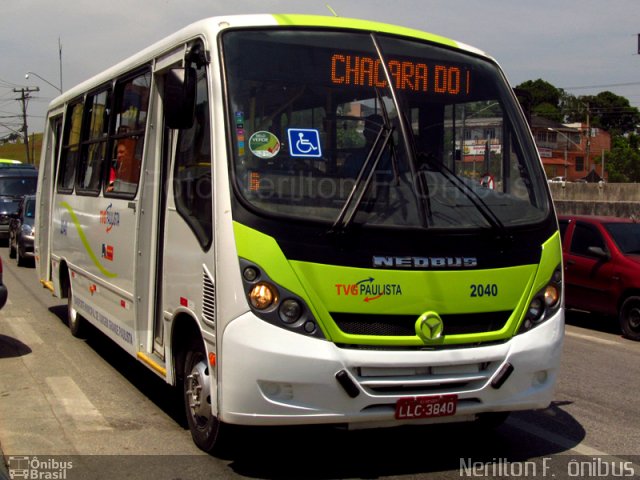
x: 46, y: 180
x: 150, y: 267
x: 149, y: 271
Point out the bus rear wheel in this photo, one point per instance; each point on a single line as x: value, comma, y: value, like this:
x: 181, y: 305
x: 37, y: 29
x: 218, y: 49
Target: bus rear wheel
x: 196, y: 385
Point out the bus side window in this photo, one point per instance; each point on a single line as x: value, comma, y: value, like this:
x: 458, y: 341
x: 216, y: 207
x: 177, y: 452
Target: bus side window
x: 70, y: 148
x: 125, y: 170
x: 192, y: 171
x: 94, y: 143
x: 130, y: 110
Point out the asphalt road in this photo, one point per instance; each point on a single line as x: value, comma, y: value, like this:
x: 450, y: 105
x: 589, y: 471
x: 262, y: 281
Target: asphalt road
x: 85, y: 409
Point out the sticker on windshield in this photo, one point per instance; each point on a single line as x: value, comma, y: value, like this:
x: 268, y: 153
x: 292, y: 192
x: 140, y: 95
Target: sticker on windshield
x: 264, y: 144
x: 304, y: 142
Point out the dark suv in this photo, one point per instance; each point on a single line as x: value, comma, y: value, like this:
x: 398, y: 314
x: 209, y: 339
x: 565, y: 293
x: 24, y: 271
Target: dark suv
x: 16, y: 181
x: 602, y: 267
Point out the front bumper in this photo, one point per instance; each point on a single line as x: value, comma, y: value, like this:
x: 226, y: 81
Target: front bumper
x: 270, y: 376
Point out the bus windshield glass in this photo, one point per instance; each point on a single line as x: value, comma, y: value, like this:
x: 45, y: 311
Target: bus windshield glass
x: 370, y: 129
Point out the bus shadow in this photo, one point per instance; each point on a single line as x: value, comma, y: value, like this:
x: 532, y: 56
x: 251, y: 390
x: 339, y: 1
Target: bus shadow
x: 325, y: 452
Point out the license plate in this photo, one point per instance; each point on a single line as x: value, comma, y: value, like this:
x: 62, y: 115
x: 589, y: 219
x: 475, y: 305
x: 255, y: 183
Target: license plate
x: 426, y: 407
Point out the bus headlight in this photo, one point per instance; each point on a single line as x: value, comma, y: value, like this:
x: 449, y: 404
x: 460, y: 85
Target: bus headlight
x: 544, y: 303
x: 263, y: 295
x: 275, y: 304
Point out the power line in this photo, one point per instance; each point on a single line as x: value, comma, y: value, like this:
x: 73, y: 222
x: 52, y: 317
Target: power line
x: 584, y: 87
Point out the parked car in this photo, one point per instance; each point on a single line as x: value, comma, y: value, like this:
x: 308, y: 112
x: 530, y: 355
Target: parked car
x: 557, y: 180
x: 3, y: 288
x: 602, y: 267
x: 16, y: 181
x: 22, y: 230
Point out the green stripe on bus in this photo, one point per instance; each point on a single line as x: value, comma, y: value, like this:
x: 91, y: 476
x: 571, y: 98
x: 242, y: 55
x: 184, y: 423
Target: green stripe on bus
x: 85, y: 242
x: 351, y: 23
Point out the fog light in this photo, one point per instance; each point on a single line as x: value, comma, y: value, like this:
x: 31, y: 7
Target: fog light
x: 290, y: 310
x: 540, y: 378
x: 263, y: 295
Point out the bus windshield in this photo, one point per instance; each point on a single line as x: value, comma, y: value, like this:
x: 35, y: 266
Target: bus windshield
x: 369, y: 129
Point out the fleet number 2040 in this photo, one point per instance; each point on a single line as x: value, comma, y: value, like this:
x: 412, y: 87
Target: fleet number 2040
x: 483, y: 290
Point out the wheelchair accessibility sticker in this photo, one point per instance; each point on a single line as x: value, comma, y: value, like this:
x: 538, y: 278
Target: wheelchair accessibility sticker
x: 304, y: 142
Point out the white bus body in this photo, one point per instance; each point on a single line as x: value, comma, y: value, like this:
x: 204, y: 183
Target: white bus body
x: 168, y: 266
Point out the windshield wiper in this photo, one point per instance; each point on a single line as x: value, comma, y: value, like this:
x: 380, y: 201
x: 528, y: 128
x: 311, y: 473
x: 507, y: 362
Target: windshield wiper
x: 484, y: 209
x: 363, y: 180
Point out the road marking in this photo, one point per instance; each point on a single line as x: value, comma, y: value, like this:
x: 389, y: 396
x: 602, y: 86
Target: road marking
x: 71, y: 402
x: 590, y: 338
x: 23, y: 331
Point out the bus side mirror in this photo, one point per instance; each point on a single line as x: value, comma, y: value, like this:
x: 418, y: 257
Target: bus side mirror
x: 179, y: 97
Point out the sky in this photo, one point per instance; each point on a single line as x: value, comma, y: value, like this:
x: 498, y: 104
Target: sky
x: 582, y: 46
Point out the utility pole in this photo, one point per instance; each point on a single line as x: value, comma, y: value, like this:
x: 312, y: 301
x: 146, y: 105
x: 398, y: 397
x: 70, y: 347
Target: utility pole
x: 24, y: 96
x: 588, y: 143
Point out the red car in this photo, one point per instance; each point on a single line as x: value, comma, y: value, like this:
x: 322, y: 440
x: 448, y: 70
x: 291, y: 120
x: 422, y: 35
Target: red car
x: 602, y: 267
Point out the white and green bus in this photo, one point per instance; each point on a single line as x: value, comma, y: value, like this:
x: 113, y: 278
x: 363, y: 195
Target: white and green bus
x: 308, y: 220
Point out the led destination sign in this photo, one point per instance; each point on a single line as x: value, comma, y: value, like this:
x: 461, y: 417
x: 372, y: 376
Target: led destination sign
x: 365, y: 71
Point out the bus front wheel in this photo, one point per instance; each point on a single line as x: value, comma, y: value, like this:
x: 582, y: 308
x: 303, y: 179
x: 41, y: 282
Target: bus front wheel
x: 74, y: 319
x: 196, y: 385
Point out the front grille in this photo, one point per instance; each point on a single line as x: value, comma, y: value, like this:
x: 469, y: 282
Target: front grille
x: 404, y: 325
x: 424, y: 379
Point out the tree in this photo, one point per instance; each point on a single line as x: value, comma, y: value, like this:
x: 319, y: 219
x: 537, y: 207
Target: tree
x: 623, y: 161
x: 612, y: 112
x: 573, y: 109
x: 544, y: 97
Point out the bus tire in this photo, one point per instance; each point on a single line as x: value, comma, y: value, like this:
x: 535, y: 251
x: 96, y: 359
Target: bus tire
x: 630, y: 318
x: 203, y: 424
x: 74, y: 319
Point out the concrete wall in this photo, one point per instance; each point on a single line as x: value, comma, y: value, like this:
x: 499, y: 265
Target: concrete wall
x: 614, y: 199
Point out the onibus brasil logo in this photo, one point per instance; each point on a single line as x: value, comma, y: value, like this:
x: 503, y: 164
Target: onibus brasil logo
x: 367, y: 289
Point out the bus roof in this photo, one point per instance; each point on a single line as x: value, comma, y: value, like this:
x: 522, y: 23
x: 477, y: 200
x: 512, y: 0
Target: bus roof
x: 212, y: 26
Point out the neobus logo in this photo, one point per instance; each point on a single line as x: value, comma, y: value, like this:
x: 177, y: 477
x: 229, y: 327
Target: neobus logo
x: 368, y: 289
x: 424, y: 262
x: 109, y: 218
